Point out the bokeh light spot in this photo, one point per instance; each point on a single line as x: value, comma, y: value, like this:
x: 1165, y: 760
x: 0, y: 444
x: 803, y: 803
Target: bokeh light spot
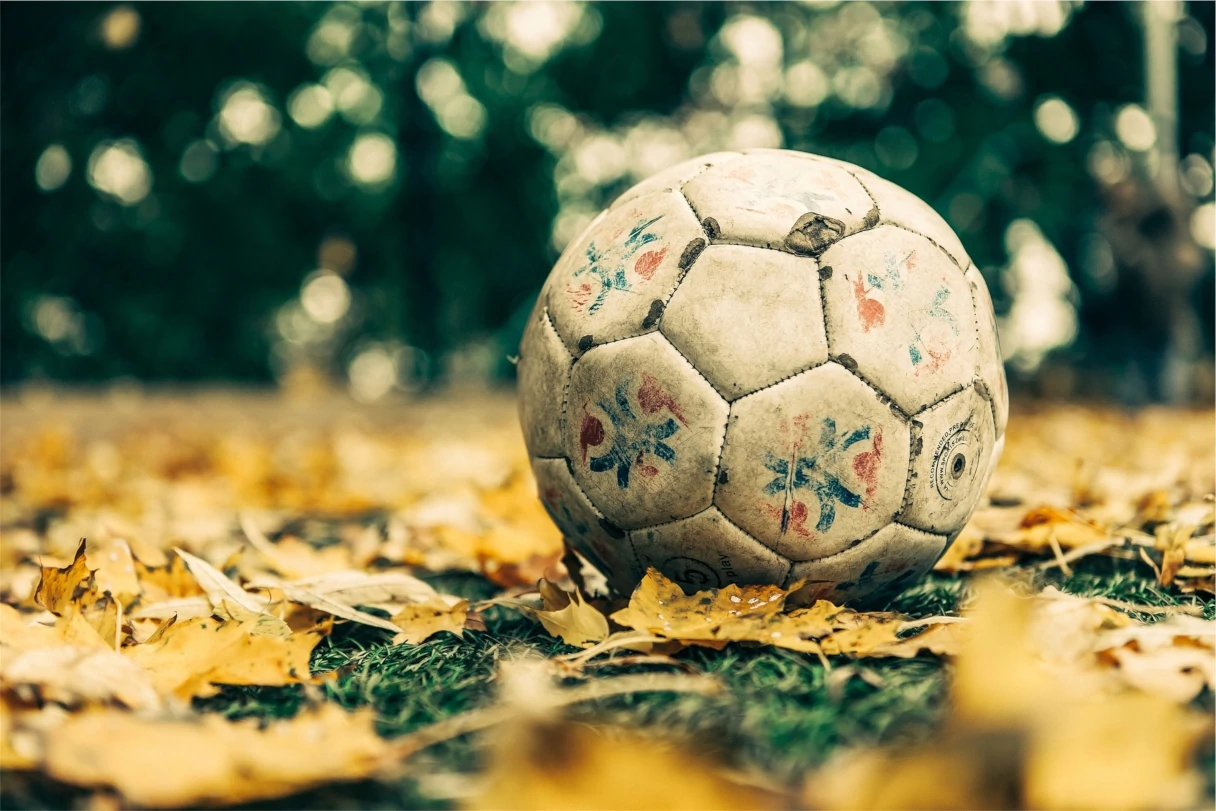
x: 1203, y: 226
x: 325, y: 296
x: 118, y: 169
x: 1056, y: 120
x: 199, y: 161
x: 310, y: 105
x: 245, y: 116
x: 896, y: 148
x: 372, y: 160
x: 53, y: 168
x: 1135, y: 128
x: 120, y: 28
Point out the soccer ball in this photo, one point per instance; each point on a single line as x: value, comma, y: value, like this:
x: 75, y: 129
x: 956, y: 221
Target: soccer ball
x: 763, y: 367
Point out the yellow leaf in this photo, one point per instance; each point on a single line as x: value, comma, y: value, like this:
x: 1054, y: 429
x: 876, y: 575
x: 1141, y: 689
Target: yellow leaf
x: 116, y: 572
x: 76, y: 674
x: 325, y: 604
x: 259, y: 622
x: 217, y: 585
x: 189, y: 658
x: 562, y: 765
x: 577, y: 622
x: 352, y: 588
x: 169, y: 582
x: 421, y: 621
x: 59, y: 588
x: 207, y: 760
x: 716, y: 617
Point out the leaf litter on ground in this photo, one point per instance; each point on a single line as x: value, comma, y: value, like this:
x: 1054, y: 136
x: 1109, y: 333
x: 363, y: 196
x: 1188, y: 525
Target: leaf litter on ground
x: 224, y: 554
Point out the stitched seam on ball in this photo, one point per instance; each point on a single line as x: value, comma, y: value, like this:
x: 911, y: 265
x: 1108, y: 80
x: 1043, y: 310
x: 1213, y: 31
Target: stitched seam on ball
x: 789, y: 563
x: 975, y: 306
x: 561, y: 419
x: 683, y: 273
x: 852, y: 545
x: 930, y: 240
x: 956, y: 390
x: 767, y: 386
x: 726, y: 422
x: 883, y: 398
x: 823, y: 305
x: 649, y: 527
x: 594, y: 508
x: 700, y: 374
x: 679, y: 187
x: 884, y: 221
x: 915, y: 432
x: 921, y: 531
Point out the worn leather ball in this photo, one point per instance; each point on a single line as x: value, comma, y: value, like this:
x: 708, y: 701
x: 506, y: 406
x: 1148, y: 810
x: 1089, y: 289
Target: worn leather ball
x: 763, y: 367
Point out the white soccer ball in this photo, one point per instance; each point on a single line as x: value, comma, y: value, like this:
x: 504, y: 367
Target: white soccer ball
x: 763, y: 367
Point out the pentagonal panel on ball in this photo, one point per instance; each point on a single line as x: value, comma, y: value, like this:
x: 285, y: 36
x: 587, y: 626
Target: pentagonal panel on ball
x: 813, y: 463
x: 991, y: 366
x: 747, y: 317
x: 543, y: 372
x: 616, y: 280
x: 643, y: 431
x: 949, y: 462
x: 788, y: 201
x: 898, y: 206
x: 900, y: 311
x: 892, y: 559
x: 673, y: 177
x: 591, y: 535
x: 707, y: 551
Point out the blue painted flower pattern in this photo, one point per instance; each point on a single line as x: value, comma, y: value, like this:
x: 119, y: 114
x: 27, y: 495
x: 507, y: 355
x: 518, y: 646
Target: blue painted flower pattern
x: 639, y: 431
x: 820, y: 471
x: 605, y: 268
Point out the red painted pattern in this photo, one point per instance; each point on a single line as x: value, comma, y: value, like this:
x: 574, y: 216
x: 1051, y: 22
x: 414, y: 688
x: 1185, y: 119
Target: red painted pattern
x: 866, y: 465
x: 797, y: 517
x: 870, y: 311
x: 648, y: 263
x: 642, y: 469
x: 653, y: 399
x: 579, y: 296
x: 590, y: 433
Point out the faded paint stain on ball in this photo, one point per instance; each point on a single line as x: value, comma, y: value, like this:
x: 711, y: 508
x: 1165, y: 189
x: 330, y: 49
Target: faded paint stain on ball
x: 817, y: 467
x: 607, y: 266
x: 635, y: 439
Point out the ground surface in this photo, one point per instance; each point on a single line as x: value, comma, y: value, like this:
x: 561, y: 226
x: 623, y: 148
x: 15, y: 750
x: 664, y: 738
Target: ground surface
x: 1092, y: 502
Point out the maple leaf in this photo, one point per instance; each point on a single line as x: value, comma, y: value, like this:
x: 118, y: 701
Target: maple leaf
x: 59, y: 588
x: 756, y: 614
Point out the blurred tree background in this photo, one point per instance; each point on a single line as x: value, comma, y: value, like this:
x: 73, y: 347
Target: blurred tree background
x: 371, y: 194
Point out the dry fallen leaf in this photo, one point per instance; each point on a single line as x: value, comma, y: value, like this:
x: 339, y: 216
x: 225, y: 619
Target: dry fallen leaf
x: 716, y: 617
x: 206, y: 760
x: 187, y: 659
x: 1022, y: 734
x: 59, y: 588
x: 538, y: 765
x: 420, y: 621
x: 218, y: 586
x: 569, y: 616
x: 75, y: 674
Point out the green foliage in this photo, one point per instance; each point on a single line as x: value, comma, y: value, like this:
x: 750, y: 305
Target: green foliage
x: 196, y: 278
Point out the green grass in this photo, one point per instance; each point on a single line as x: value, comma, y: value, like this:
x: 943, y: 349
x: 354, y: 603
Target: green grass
x: 777, y: 712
